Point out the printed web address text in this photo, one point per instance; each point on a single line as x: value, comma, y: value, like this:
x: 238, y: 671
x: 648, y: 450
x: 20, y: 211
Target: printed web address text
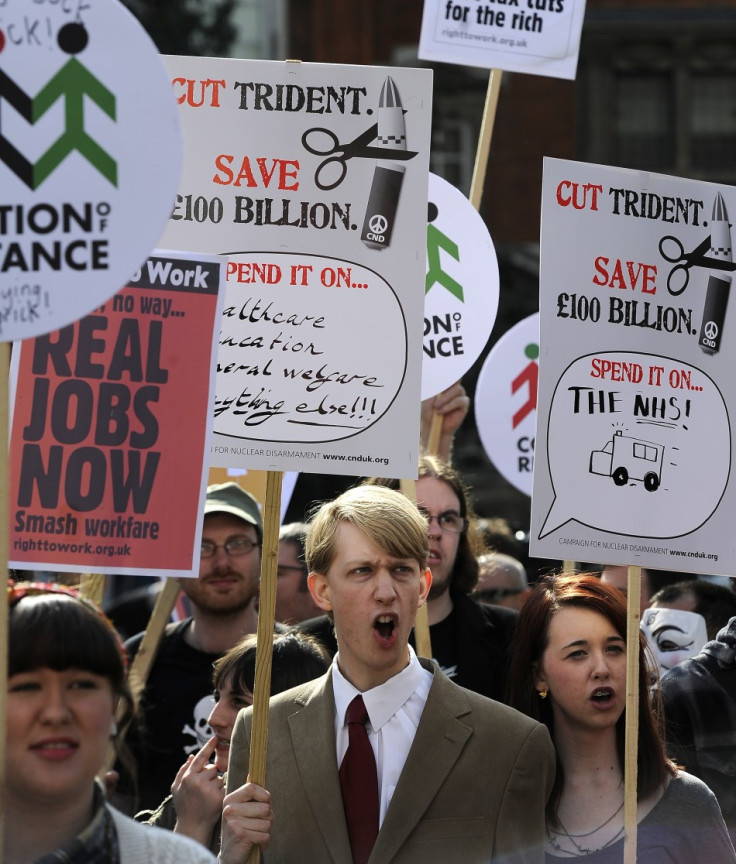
x: 484, y: 37
x: 109, y: 549
x: 636, y: 547
x: 298, y: 454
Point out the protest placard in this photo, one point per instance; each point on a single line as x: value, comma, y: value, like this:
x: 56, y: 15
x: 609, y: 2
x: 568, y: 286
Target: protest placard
x: 461, y: 287
x: 506, y: 403
x: 536, y: 36
x: 313, y: 180
x: 90, y: 155
x: 636, y: 388
x: 111, y: 420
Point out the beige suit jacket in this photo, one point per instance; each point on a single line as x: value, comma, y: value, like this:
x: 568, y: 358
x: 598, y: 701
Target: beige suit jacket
x: 473, y: 788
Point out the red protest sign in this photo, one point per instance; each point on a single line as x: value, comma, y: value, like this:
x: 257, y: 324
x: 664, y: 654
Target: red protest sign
x: 111, y: 417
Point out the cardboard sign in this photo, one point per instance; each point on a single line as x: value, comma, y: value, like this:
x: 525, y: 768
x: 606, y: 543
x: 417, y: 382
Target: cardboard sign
x: 506, y: 403
x: 313, y: 180
x: 537, y: 36
x: 634, y: 445
x: 90, y: 155
x: 111, y: 421
x: 460, y: 290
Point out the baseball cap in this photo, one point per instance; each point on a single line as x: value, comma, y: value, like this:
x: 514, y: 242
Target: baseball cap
x: 232, y: 498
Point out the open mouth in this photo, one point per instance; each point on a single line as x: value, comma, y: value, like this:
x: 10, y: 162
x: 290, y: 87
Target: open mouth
x: 602, y: 695
x: 384, y: 626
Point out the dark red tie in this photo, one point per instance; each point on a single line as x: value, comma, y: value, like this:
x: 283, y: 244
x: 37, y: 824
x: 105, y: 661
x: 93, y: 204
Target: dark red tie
x: 359, y: 783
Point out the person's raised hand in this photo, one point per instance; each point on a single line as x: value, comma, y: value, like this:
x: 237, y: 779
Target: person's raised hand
x: 451, y: 407
x: 198, y: 792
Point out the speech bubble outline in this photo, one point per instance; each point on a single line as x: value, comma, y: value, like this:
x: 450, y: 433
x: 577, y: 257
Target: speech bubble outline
x: 638, y: 516
x: 375, y: 317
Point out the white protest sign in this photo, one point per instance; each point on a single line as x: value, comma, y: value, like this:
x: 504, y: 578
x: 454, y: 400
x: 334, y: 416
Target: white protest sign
x: 506, y: 402
x: 536, y: 36
x: 312, y: 179
x: 461, y: 287
x: 634, y: 446
x: 90, y: 155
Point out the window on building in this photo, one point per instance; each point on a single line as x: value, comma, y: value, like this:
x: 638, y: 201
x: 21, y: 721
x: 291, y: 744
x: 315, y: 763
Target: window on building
x: 665, y: 105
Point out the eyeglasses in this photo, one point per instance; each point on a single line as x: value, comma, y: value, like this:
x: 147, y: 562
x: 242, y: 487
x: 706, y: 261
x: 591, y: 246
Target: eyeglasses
x: 448, y: 521
x: 236, y: 546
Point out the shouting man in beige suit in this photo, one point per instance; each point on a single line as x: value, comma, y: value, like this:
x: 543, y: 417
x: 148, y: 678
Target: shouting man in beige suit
x: 454, y: 776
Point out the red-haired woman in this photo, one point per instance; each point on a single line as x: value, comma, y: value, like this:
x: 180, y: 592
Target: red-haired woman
x: 568, y: 671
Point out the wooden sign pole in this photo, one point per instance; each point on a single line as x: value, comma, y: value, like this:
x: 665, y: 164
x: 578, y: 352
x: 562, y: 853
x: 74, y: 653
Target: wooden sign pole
x: 264, y: 637
x: 147, y: 650
x: 631, y: 748
x: 92, y: 586
x: 476, y: 194
x: 484, y: 139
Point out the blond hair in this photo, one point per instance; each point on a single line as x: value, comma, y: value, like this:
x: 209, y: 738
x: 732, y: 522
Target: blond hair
x: 388, y: 518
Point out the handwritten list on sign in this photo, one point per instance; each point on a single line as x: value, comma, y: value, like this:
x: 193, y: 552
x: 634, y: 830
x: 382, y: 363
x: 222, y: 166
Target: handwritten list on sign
x: 311, y: 179
x: 309, y: 377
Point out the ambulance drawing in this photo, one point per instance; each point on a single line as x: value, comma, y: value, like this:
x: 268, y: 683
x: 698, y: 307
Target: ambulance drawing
x: 624, y: 458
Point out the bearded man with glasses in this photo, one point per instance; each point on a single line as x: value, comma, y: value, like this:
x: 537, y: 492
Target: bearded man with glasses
x: 177, y: 698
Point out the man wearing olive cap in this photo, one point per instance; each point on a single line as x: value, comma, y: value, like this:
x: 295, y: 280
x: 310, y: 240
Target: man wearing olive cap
x: 178, y: 697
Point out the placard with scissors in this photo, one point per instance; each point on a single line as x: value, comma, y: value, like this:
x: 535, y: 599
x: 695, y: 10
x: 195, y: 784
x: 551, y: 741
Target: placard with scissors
x: 312, y: 178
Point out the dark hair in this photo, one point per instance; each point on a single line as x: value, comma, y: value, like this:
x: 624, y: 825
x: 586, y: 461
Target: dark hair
x: 658, y: 579
x: 585, y: 590
x: 464, y: 576
x: 716, y: 603
x: 54, y: 628
x: 296, y: 534
x: 297, y: 658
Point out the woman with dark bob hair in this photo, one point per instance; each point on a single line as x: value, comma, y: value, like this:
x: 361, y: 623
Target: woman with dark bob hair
x: 568, y: 670
x: 66, y: 684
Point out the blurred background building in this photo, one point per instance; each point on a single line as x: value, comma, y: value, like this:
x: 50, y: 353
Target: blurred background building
x: 655, y: 90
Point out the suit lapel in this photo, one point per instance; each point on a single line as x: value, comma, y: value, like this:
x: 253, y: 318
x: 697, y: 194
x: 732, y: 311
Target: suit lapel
x: 439, y: 741
x: 312, y: 730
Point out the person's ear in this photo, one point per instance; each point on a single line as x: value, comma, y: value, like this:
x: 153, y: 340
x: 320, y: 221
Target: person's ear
x: 540, y: 682
x: 319, y: 588
x: 425, y: 581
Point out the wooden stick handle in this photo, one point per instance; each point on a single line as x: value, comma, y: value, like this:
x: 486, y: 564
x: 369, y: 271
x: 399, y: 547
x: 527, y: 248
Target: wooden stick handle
x: 631, y: 747
x: 476, y: 194
x: 435, y: 433
x: 147, y: 650
x: 92, y: 586
x: 484, y: 139
x: 264, y: 638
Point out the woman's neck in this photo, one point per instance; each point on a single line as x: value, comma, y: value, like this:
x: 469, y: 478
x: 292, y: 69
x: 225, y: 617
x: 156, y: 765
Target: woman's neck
x: 588, y: 753
x: 593, y: 778
x: 36, y: 828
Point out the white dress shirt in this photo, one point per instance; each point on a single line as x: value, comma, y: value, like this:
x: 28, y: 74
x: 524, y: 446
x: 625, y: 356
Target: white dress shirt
x: 394, y: 709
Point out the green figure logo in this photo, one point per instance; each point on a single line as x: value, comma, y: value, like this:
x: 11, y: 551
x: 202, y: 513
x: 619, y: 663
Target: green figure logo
x: 72, y: 83
x: 436, y: 240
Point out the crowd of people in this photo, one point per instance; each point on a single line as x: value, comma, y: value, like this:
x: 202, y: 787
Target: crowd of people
x: 506, y: 746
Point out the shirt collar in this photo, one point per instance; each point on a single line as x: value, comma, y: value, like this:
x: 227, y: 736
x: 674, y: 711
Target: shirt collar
x: 381, y: 702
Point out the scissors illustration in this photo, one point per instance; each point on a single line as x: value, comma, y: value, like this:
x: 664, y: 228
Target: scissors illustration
x: 673, y: 251
x: 331, y: 171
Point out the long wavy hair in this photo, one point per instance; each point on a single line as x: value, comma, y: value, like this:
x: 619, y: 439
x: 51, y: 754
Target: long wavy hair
x: 586, y: 591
